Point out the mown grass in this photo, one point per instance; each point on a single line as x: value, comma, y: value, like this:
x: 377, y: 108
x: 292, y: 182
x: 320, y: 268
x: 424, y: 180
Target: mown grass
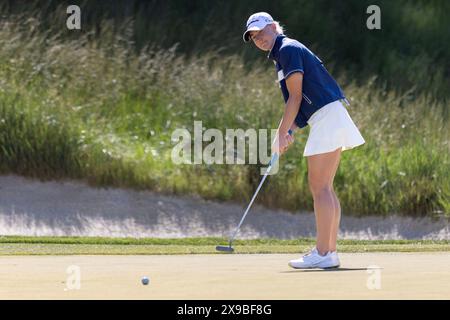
x: 95, y: 108
x: 19, y: 245
x: 201, y: 241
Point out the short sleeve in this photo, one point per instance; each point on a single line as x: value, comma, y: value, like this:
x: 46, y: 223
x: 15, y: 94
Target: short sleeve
x: 291, y: 60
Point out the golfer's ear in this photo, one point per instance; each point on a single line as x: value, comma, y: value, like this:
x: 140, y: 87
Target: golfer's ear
x: 294, y: 84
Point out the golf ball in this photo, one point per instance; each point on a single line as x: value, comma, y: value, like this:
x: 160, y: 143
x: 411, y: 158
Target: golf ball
x: 145, y: 280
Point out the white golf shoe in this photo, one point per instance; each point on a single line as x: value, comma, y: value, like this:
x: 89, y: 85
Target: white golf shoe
x: 314, y: 260
x: 335, y: 260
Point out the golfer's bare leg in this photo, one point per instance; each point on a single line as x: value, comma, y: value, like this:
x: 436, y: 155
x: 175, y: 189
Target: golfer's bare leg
x: 337, y: 212
x: 321, y: 171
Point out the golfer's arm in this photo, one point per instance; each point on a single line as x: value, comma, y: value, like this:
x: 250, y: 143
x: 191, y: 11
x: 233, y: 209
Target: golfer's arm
x: 294, y: 85
x: 293, y: 126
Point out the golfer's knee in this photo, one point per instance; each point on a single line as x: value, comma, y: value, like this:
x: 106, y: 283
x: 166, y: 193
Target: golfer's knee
x: 321, y: 191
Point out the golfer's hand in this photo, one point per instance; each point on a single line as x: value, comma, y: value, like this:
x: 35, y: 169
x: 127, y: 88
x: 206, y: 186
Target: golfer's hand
x: 290, y: 140
x: 282, y: 143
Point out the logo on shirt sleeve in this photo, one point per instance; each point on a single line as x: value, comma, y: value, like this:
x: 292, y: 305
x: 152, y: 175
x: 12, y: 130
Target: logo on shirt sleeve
x: 280, y: 75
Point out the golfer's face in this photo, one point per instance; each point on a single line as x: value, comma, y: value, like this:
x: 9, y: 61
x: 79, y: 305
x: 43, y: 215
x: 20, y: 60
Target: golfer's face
x: 264, y: 38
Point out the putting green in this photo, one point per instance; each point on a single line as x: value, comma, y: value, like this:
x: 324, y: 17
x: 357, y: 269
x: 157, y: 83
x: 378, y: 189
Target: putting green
x: 225, y: 276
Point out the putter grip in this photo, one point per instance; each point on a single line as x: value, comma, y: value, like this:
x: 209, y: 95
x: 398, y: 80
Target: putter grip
x: 275, y: 155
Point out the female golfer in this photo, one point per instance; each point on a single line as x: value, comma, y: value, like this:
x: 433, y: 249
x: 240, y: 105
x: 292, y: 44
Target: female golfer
x: 312, y: 98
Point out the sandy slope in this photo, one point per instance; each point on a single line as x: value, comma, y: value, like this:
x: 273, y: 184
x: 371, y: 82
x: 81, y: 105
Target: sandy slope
x: 31, y: 207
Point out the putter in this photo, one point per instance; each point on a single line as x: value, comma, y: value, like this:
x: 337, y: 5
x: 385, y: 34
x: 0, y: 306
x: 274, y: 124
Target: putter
x: 229, y: 248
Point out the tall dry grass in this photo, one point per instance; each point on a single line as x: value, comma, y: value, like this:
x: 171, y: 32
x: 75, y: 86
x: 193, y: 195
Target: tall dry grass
x: 96, y: 108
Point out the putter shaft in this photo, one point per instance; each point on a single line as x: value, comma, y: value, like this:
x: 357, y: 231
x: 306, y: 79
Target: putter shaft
x: 273, y: 160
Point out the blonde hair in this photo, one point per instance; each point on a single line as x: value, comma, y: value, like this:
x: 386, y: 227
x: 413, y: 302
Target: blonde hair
x: 279, y: 28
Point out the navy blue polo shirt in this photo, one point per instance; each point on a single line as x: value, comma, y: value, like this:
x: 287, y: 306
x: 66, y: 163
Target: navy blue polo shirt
x: 319, y: 88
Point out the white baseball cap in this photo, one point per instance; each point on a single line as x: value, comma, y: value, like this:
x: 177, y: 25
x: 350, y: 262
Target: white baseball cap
x: 256, y: 22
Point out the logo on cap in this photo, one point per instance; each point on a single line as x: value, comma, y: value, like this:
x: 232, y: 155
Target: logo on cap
x: 252, y: 22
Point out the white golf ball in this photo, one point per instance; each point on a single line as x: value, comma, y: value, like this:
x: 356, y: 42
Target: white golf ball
x: 145, y: 280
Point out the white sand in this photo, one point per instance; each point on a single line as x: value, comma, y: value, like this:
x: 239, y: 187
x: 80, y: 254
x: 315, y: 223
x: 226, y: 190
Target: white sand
x: 72, y: 208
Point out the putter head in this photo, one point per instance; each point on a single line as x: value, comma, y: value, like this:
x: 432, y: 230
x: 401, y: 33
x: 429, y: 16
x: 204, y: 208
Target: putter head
x: 225, y: 248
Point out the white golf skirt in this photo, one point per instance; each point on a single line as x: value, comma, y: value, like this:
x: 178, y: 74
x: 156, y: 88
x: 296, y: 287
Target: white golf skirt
x: 331, y: 128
